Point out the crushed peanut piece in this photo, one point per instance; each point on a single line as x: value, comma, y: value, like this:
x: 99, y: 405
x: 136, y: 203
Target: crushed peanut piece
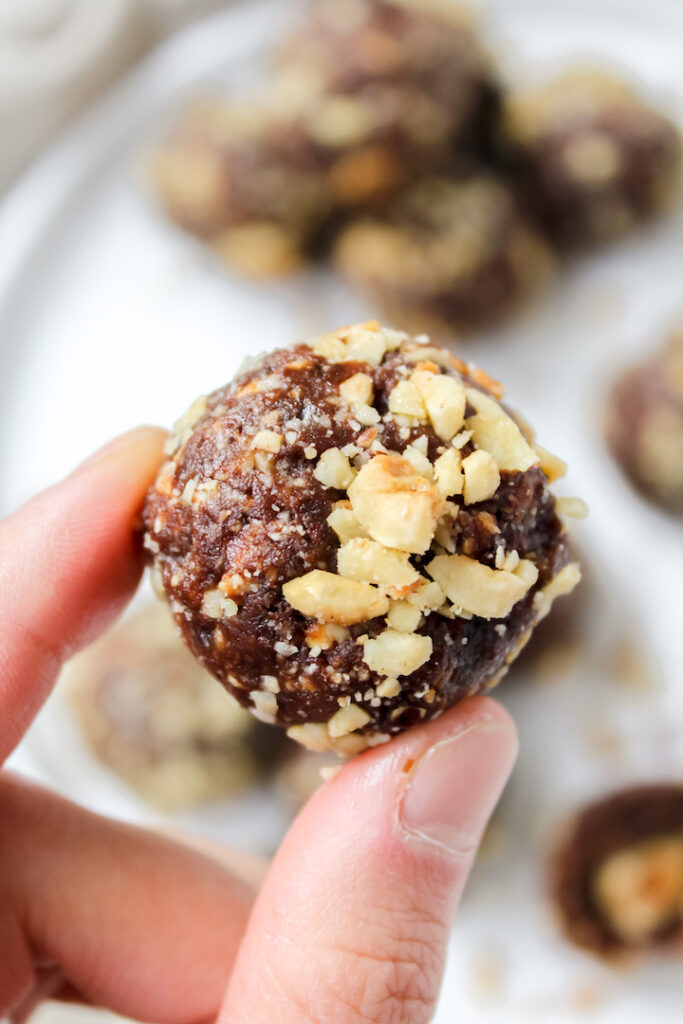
x: 565, y: 581
x: 552, y: 465
x: 444, y: 399
x: 573, y: 508
x: 312, y: 735
x: 370, y: 562
x: 347, y: 720
x: 482, y: 476
x: 448, y: 473
x: 388, y: 688
x: 497, y: 433
x: 640, y: 888
x: 476, y: 588
x: 344, y: 522
x: 334, y: 470
x: 331, y: 598
x: 216, y: 606
x: 404, y: 616
x: 397, y: 654
x: 357, y: 390
x: 405, y: 400
x: 268, y: 441
x: 396, y: 505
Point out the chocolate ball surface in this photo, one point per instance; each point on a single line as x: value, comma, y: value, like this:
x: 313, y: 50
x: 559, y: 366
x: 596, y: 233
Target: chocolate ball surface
x: 355, y: 534
x: 593, y: 158
x: 617, y: 878
x: 450, y: 254
x: 644, y: 425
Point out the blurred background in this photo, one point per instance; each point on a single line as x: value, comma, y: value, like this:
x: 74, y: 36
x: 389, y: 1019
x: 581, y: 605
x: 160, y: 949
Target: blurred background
x: 187, y: 182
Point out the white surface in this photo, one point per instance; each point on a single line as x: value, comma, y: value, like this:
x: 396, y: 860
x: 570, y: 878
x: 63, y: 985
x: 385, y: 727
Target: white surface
x: 108, y: 318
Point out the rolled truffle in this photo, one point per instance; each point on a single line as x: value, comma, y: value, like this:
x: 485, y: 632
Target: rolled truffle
x: 449, y: 254
x: 617, y: 878
x: 245, y: 180
x: 156, y: 719
x: 355, y: 534
x: 592, y: 157
x: 644, y: 425
x: 366, y: 96
x: 412, y: 73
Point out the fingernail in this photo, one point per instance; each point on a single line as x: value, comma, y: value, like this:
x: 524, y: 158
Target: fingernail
x: 456, y: 784
x: 132, y: 437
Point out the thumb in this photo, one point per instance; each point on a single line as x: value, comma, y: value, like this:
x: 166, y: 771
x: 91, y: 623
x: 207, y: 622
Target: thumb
x: 352, y: 921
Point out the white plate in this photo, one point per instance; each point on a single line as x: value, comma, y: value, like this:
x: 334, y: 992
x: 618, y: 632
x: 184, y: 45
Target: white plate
x: 109, y: 318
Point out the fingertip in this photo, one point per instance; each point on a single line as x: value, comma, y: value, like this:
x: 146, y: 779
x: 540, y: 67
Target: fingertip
x: 143, y: 446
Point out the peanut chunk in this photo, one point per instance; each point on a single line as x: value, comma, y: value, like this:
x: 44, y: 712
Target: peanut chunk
x: 325, y: 634
x: 482, y: 477
x: 395, y: 504
x: 405, y: 400
x: 448, y: 473
x: 397, y: 654
x: 331, y: 598
x: 265, y: 705
x: 216, y: 606
x: 267, y: 441
x: 365, y: 343
x: 497, y: 433
x: 428, y: 596
x: 404, y: 616
x: 347, y: 720
x: 370, y: 562
x: 357, y: 390
x: 334, y: 469
x: 444, y: 399
x: 552, y: 465
x: 388, y: 688
x: 312, y: 735
x: 344, y: 522
x: 565, y: 581
x: 640, y: 889
x: 574, y: 508
x: 475, y: 588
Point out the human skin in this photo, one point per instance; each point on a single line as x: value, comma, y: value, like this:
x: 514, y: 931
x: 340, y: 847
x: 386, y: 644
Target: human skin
x: 351, y: 922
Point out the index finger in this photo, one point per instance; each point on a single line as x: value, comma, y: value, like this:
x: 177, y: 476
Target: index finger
x: 69, y: 560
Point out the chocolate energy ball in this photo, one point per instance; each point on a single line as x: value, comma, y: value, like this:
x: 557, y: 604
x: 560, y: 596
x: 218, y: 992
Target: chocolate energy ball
x: 154, y: 717
x: 245, y: 180
x: 451, y: 254
x: 355, y: 534
x: 617, y: 879
x: 419, y: 62
x: 644, y: 425
x: 592, y: 157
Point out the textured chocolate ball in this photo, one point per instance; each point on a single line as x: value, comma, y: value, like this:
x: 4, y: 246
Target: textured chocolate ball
x: 644, y: 425
x: 592, y: 157
x: 366, y: 96
x: 244, y: 179
x: 617, y: 878
x: 155, y: 718
x: 449, y: 254
x: 355, y: 534
x: 415, y: 69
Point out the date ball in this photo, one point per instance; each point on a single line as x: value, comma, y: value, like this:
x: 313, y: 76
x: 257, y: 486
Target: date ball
x: 450, y: 254
x: 156, y: 719
x: 245, y: 180
x: 644, y: 425
x: 413, y: 73
x: 593, y: 158
x: 618, y: 876
x: 355, y: 534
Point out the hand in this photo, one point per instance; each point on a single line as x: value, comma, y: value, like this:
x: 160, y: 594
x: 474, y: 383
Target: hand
x: 351, y: 923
